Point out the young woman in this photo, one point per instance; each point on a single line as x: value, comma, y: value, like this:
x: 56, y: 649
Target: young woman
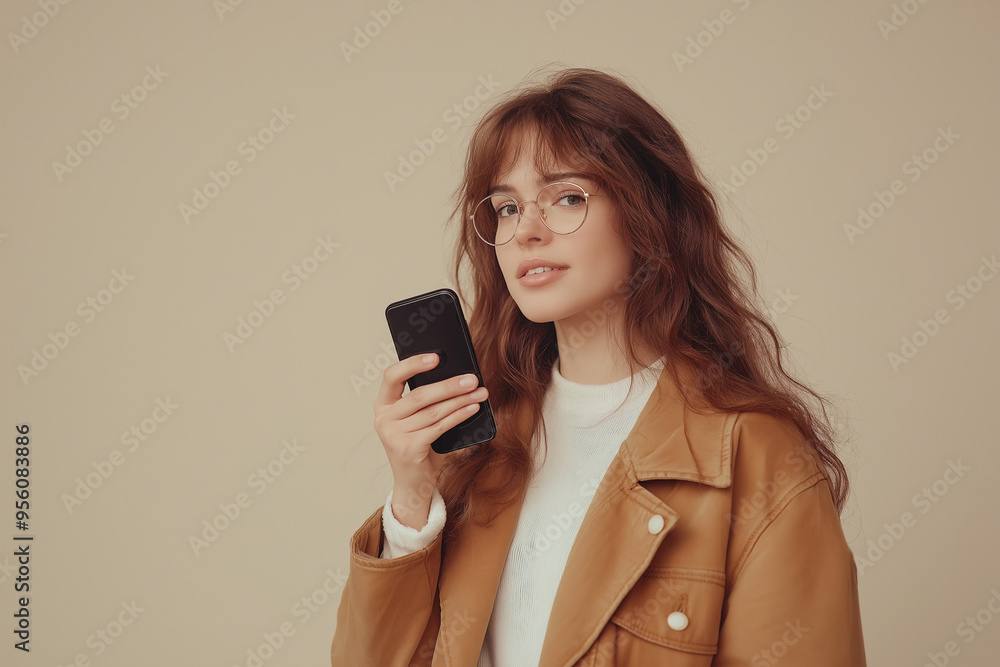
x: 660, y: 492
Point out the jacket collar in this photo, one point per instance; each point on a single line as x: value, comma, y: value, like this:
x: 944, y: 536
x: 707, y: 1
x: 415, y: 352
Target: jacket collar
x: 672, y: 441
x: 614, y: 546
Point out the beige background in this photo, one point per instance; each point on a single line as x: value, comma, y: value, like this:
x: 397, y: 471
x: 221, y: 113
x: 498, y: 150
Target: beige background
x: 843, y: 306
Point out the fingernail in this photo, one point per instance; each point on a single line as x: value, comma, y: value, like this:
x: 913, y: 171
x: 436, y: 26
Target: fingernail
x: 428, y: 359
x: 469, y: 381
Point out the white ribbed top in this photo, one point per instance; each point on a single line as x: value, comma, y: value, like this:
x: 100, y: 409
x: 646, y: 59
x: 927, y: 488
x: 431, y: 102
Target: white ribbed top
x: 585, y: 428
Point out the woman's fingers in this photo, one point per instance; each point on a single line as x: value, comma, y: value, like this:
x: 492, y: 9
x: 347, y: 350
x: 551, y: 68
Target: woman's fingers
x: 408, y: 425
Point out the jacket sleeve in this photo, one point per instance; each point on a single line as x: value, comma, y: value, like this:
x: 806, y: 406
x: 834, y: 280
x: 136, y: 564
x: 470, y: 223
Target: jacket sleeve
x: 386, y: 614
x: 793, y: 589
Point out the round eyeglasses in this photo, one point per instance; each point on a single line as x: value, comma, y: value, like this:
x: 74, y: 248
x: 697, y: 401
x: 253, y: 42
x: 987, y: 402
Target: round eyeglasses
x: 562, y: 207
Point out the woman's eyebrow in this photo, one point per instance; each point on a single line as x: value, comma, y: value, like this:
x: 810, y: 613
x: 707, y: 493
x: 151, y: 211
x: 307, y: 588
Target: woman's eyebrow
x: 546, y: 179
x: 564, y: 176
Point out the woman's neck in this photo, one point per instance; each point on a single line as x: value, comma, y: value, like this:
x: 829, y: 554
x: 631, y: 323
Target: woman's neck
x: 595, y: 358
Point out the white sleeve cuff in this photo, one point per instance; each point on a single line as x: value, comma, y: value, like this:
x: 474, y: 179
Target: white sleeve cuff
x: 401, y: 540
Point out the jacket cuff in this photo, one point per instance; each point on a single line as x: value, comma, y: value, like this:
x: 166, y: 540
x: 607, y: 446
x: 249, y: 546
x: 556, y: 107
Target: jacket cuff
x: 386, y: 604
x: 401, y: 540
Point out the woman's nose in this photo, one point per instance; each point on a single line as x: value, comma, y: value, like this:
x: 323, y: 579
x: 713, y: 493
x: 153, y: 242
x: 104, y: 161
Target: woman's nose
x: 532, y: 221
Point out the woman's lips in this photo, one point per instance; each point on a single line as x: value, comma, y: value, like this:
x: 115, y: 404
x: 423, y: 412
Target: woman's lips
x: 543, y: 278
x: 536, y: 263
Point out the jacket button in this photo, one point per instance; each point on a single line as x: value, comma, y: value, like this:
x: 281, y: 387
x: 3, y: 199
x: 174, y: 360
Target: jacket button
x: 677, y: 620
x: 655, y: 524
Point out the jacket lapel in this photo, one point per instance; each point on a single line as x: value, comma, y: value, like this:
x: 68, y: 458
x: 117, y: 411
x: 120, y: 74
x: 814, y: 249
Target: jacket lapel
x: 616, y: 541
x: 470, y: 575
x: 612, y: 549
x: 471, y: 567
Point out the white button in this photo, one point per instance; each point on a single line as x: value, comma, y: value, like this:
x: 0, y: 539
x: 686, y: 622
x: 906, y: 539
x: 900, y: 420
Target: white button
x: 678, y: 620
x: 655, y: 524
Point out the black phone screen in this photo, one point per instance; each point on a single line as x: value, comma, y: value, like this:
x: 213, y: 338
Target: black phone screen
x: 434, y: 322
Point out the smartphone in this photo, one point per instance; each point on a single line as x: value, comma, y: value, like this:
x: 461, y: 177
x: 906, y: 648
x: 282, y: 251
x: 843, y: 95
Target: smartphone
x: 434, y: 322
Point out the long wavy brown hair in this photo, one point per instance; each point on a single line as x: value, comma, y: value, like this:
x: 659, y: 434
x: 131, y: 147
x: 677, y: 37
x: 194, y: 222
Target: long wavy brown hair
x: 692, y: 296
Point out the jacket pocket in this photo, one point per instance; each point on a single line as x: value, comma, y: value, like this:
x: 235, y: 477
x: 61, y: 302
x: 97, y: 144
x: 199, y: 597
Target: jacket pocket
x: 669, y: 613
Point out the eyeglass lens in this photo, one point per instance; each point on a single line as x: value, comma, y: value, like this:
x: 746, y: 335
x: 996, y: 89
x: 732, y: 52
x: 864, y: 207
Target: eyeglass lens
x: 561, y: 206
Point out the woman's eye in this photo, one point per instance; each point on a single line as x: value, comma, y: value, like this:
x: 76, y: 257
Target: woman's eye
x: 570, y: 199
x: 506, y: 210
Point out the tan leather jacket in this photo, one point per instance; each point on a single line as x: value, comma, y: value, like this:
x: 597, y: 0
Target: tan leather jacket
x: 726, y: 519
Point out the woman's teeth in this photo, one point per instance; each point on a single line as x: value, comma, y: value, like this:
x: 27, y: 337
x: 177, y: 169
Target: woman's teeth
x: 541, y: 269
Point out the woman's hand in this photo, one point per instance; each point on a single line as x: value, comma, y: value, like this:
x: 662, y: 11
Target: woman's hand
x: 407, y: 425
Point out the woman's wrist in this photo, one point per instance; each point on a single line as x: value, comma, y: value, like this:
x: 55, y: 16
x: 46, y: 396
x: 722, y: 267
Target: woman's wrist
x: 405, y: 538
x: 411, y: 507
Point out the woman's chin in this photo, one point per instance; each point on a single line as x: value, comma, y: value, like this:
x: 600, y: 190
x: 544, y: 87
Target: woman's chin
x: 540, y: 314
